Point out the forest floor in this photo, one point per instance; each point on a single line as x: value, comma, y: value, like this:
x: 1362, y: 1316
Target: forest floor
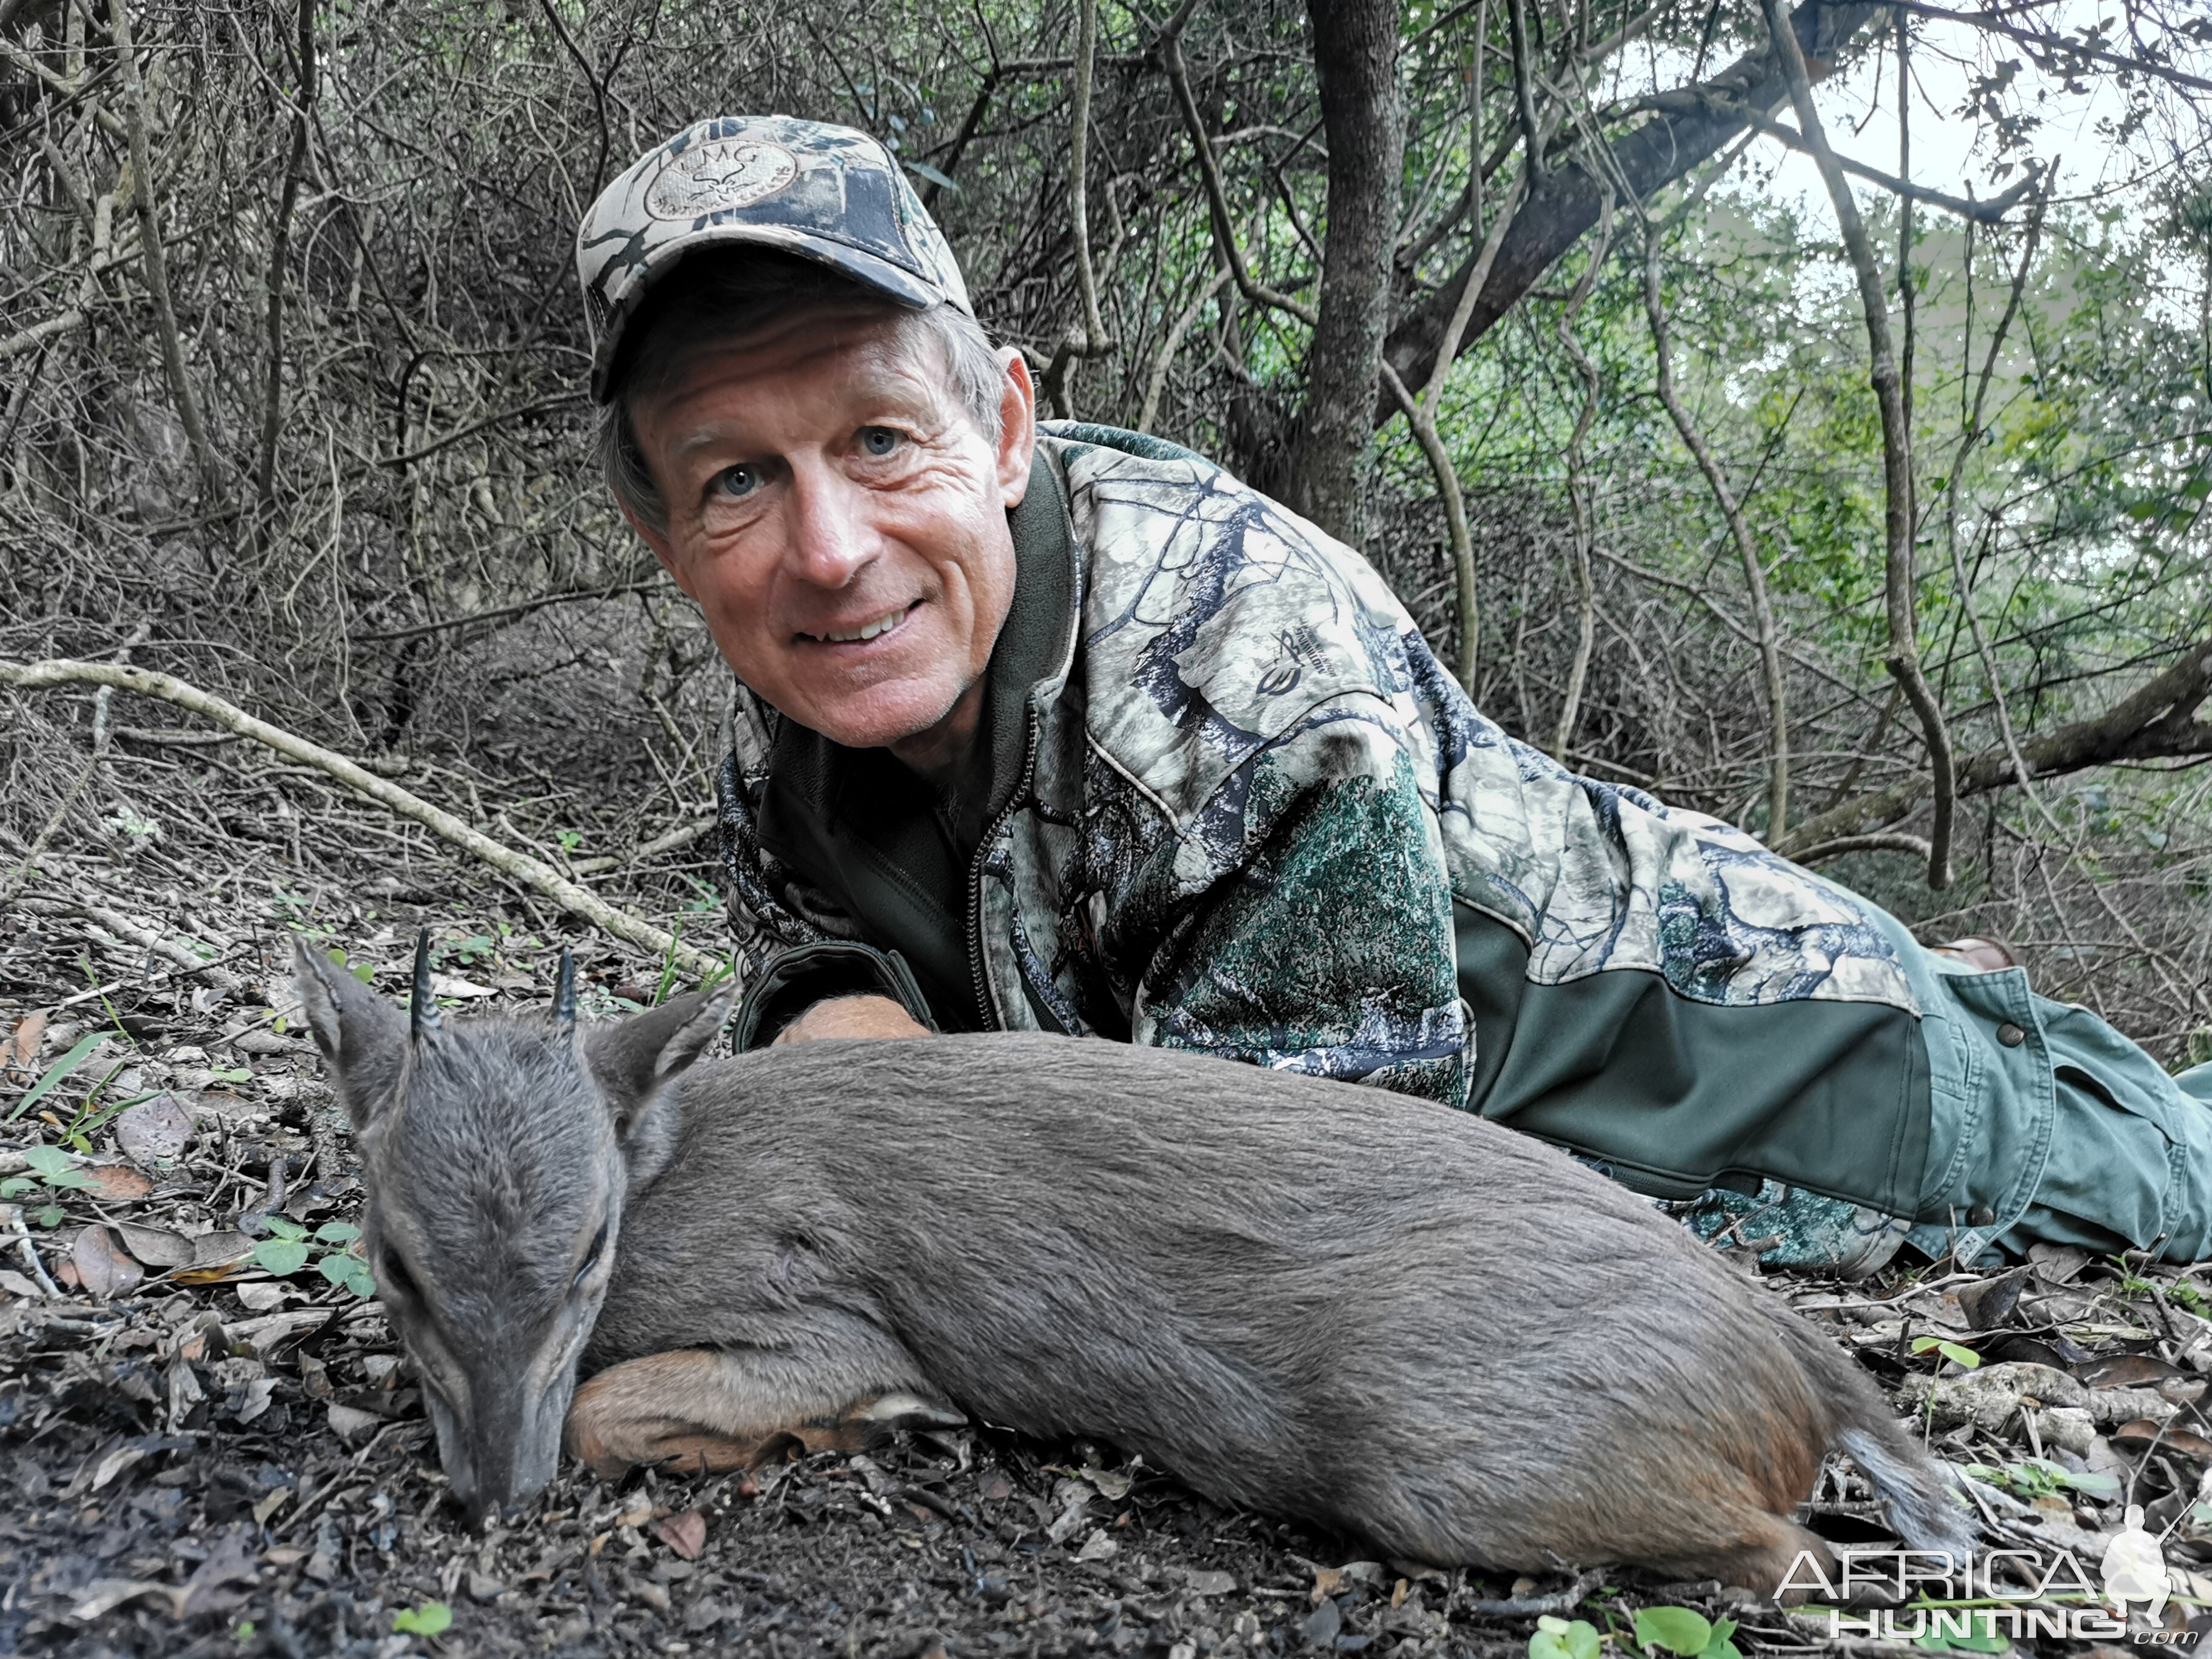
x: 212, y: 1447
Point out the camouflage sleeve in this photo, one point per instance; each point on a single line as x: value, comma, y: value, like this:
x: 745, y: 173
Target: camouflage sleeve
x: 771, y: 910
x: 1314, y: 932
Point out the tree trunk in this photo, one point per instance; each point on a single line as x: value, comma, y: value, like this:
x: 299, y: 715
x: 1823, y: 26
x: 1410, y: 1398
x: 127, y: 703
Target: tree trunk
x: 1356, y: 62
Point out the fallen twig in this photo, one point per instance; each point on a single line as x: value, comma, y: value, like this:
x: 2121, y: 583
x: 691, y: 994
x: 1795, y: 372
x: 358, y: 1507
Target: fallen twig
x: 540, y: 877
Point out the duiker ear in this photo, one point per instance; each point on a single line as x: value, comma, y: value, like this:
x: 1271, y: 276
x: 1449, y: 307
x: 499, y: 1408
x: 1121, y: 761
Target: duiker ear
x: 362, y: 1037
x: 636, y: 1060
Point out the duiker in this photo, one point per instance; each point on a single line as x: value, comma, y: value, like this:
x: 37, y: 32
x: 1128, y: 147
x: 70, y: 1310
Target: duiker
x: 1326, y: 1302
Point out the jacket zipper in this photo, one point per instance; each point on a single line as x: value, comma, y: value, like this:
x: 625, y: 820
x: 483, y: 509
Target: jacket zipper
x: 985, y: 1003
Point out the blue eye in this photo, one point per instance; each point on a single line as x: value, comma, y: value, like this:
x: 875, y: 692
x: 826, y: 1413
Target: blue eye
x: 878, y: 440
x: 737, y: 482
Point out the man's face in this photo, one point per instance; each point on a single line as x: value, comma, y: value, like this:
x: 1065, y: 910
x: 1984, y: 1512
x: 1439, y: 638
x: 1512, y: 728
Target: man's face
x: 840, y: 519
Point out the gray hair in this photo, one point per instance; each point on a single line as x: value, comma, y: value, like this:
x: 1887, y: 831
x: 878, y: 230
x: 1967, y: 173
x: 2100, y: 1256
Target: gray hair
x: 731, y: 294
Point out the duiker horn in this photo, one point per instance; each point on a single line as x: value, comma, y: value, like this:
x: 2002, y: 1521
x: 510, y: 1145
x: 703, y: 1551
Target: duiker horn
x: 422, y: 1009
x: 564, y: 995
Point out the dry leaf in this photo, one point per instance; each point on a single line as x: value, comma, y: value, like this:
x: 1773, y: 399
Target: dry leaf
x: 1099, y: 1547
x: 222, y: 1246
x: 349, y: 1424
x: 16, y: 1285
x: 103, y: 1596
x: 2129, y: 1370
x: 116, y: 1183
x: 23, y: 1048
x: 114, y: 1463
x: 2144, y: 1433
x: 262, y: 1295
x: 1209, y: 1582
x: 157, y: 1247
x: 101, y: 1266
x: 685, y: 1534
x: 155, y: 1131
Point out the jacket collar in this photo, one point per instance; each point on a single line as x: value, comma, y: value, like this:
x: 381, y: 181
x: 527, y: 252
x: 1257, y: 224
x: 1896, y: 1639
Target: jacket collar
x: 858, y: 824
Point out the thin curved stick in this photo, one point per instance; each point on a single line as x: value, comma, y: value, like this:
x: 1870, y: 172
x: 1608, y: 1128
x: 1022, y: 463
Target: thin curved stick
x: 541, y: 878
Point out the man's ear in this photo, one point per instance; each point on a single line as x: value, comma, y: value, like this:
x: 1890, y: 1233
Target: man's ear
x: 363, y: 1038
x: 636, y: 1060
x: 1017, y: 426
x: 662, y: 549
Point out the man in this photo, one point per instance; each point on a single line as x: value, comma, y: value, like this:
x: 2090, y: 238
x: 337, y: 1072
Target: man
x: 1096, y: 740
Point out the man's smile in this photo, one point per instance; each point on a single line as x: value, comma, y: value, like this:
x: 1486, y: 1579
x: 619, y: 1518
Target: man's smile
x: 873, y: 629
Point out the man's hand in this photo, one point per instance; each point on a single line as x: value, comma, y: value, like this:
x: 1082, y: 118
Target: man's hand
x: 852, y: 1016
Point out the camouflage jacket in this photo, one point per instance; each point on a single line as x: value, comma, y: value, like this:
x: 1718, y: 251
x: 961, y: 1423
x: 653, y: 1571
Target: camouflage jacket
x: 1238, y: 805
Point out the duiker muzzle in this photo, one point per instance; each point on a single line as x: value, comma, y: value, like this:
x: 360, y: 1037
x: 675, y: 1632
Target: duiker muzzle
x: 1321, y: 1301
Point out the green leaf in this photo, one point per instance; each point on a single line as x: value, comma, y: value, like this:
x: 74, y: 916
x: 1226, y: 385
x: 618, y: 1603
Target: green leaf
x: 283, y: 1227
x: 1558, y: 1638
x: 49, y: 1161
x: 1952, y: 1351
x: 1721, y: 1647
x: 366, y: 973
x: 280, y: 1256
x: 1677, y: 1630
x: 55, y: 1072
x: 337, y: 1232
x: 431, y: 1618
x: 50, y: 1217
x: 16, y: 1186
x: 352, y: 1272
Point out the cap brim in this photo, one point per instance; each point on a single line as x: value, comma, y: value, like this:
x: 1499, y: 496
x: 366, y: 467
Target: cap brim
x: 868, y: 269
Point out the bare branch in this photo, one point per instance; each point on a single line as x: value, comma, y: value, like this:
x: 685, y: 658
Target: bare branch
x: 1904, y: 658
x: 541, y: 878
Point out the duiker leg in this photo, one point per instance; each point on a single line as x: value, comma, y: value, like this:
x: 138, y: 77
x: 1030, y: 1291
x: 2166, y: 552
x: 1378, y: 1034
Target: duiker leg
x: 710, y: 1409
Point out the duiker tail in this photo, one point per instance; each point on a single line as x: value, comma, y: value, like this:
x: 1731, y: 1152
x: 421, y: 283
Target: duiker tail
x: 1917, y: 1487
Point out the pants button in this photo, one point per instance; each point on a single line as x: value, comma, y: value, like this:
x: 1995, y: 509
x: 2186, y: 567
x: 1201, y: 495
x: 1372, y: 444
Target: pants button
x: 2010, y: 1034
x: 1980, y: 1216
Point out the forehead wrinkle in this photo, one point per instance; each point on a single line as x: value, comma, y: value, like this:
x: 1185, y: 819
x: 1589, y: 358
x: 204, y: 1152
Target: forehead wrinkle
x: 893, y: 372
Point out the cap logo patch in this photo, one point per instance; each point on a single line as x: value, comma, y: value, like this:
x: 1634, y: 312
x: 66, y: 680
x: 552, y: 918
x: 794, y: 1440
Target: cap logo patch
x: 719, y: 175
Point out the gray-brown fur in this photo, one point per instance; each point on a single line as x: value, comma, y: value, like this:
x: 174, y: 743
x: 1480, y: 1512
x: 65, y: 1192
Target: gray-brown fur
x: 1322, y: 1301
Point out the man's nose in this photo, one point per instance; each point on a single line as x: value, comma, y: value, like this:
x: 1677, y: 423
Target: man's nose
x: 831, y: 537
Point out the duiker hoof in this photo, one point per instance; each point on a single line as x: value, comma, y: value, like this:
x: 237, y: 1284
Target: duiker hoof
x: 907, y: 1411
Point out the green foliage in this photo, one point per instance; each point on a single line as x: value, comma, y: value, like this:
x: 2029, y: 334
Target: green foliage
x: 431, y: 1618
x: 2034, y: 1477
x: 1965, y: 1357
x: 1560, y: 1639
x: 51, y: 1078
x: 289, y: 1246
x: 1685, y: 1632
x: 56, y: 1173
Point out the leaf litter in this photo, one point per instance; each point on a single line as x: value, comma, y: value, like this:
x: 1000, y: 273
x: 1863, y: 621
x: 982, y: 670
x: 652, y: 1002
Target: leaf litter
x: 215, y: 1445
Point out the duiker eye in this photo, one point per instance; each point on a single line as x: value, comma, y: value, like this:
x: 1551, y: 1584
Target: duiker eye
x: 591, y: 1257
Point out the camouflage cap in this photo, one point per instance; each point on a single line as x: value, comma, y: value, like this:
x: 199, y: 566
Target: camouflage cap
x: 822, y: 192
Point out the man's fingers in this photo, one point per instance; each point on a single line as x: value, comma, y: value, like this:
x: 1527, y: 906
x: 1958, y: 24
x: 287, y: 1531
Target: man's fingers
x: 852, y: 1016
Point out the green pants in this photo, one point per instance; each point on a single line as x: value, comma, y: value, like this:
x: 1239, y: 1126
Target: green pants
x: 2046, y: 1125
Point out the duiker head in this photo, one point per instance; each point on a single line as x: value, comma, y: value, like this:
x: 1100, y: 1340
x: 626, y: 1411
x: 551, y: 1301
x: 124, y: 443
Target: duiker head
x: 497, y: 1152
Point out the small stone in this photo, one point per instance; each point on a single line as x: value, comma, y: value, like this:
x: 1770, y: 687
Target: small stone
x: 482, y: 1587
